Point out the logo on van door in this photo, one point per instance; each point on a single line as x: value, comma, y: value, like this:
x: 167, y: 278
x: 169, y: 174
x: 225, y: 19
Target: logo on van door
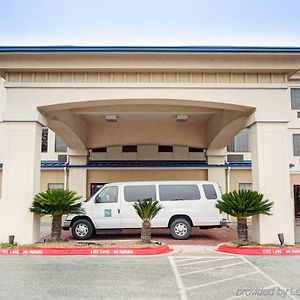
x: 107, y: 213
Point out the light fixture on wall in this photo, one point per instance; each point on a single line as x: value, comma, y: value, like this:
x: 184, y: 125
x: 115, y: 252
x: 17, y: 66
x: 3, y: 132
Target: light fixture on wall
x: 182, y: 118
x: 111, y: 118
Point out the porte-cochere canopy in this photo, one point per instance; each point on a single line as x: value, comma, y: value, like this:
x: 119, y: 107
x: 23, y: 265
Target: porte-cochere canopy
x: 93, y: 97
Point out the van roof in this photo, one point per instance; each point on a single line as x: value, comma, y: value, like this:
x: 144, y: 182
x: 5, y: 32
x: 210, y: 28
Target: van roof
x: 162, y: 182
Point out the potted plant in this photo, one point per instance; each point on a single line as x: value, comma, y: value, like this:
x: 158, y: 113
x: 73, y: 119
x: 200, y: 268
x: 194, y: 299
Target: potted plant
x: 146, y: 210
x: 56, y: 203
x: 243, y: 204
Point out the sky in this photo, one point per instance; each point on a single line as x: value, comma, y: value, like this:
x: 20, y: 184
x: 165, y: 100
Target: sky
x: 150, y: 23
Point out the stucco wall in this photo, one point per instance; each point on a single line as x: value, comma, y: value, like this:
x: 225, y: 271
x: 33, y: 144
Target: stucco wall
x: 106, y: 176
x: 94, y: 176
x: 51, y: 176
x: 239, y: 176
x: 0, y: 182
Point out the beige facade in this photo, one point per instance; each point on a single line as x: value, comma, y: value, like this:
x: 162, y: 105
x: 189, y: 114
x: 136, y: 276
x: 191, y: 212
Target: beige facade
x: 236, y: 177
x: 51, y: 177
x: 111, y: 99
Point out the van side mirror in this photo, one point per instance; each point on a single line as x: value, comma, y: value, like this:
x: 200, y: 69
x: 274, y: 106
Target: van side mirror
x: 97, y: 199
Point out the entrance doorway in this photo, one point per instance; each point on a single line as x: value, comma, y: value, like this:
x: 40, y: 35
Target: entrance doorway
x: 95, y: 187
x: 297, y: 202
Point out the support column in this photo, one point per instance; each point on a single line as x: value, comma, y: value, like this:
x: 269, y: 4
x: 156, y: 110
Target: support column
x: 78, y: 173
x: 270, y: 173
x: 216, y: 158
x: 20, y: 180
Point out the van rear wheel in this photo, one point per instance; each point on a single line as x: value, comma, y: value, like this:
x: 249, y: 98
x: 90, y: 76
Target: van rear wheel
x: 181, y: 229
x: 82, y: 229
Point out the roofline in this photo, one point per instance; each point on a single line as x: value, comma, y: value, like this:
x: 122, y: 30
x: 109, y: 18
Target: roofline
x: 142, y: 164
x: 191, y: 49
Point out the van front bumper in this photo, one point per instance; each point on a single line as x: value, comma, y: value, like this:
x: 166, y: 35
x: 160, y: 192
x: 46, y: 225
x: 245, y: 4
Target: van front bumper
x: 66, y: 225
x: 224, y: 223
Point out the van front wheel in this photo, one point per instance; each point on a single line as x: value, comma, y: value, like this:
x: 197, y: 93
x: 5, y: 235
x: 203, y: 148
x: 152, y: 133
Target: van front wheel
x: 181, y: 229
x: 82, y: 230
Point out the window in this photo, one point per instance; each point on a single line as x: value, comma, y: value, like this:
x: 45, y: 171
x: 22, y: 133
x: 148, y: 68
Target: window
x: 99, y: 150
x: 53, y: 186
x: 230, y: 146
x: 193, y: 149
x: 108, y: 195
x: 44, y: 146
x: 164, y: 148
x: 131, y: 148
x: 210, y: 192
x: 295, y: 98
x: 296, y: 144
x: 95, y: 187
x: 134, y: 193
x: 235, y: 157
x: 245, y: 186
x: 241, y: 142
x: 179, y: 192
x: 60, y: 145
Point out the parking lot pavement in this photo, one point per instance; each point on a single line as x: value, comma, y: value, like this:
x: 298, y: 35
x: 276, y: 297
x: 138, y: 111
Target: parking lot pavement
x: 236, y: 277
x: 285, y: 270
x: 161, y: 277
x: 32, y: 278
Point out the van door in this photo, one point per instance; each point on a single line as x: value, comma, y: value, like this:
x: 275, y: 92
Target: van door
x: 106, y: 209
x: 177, y: 199
x: 210, y: 214
x: 133, y: 193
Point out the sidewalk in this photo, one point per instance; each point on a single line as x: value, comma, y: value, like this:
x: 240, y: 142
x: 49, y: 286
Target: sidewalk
x: 208, y: 237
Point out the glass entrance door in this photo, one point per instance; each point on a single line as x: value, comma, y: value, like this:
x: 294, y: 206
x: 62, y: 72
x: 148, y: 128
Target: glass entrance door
x: 297, y: 200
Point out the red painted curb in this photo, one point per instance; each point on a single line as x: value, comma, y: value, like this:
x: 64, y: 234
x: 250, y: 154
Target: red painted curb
x: 84, y: 251
x: 266, y: 251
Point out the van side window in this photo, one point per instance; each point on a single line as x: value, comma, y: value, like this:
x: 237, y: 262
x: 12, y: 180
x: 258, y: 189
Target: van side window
x: 108, y: 195
x: 133, y: 193
x: 169, y: 192
x: 210, y: 192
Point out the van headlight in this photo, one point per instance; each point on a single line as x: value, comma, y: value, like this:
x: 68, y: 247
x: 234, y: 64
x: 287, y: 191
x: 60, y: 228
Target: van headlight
x: 68, y: 218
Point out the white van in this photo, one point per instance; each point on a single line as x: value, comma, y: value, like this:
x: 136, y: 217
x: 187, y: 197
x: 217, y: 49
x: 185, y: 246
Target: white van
x: 185, y: 204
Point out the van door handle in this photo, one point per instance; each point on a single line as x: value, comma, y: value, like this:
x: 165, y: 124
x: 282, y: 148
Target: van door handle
x: 119, y: 210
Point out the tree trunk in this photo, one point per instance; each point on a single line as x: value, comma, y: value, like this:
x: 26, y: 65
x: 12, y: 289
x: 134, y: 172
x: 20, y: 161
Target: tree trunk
x: 146, y: 232
x: 56, y: 228
x: 242, y: 229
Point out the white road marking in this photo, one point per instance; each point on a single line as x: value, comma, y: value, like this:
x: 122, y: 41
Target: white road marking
x: 220, y: 281
x: 267, y: 276
x: 205, y: 261
x: 211, y: 269
x: 182, y: 290
x: 188, y: 259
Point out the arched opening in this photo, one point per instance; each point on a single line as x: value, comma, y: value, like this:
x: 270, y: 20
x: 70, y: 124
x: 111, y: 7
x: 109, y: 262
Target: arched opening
x: 194, y: 123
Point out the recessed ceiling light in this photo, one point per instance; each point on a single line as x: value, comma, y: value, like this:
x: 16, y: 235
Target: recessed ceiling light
x: 111, y: 118
x: 182, y: 118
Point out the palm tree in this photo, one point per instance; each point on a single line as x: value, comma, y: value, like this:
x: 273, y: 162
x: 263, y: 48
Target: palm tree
x: 147, y: 210
x: 56, y: 203
x: 242, y: 204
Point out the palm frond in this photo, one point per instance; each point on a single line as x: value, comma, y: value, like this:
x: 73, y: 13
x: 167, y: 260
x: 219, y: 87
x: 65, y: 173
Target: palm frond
x: 56, y: 202
x: 244, y: 203
x: 147, y: 209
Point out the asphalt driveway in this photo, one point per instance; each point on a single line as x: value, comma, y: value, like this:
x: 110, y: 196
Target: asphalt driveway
x: 162, y: 277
